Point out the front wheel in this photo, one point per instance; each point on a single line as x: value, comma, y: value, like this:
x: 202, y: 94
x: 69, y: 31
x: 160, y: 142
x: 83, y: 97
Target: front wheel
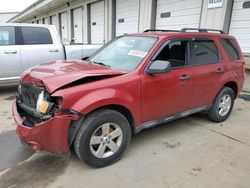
x: 103, y: 138
x: 222, y: 106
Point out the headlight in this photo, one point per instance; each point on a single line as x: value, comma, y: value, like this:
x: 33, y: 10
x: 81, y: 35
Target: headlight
x: 42, y: 105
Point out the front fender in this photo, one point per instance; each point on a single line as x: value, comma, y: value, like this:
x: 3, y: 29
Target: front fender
x: 103, y: 97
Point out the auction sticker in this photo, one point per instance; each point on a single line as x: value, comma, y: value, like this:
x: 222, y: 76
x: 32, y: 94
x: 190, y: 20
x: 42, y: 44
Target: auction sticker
x: 137, y: 53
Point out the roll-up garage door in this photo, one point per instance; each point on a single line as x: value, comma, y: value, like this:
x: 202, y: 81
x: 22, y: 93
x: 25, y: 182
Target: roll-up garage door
x: 53, y: 21
x: 240, y: 24
x: 97, y: 22
x: 127, y: 16
x: 64, y: 27
x: 45, y: 21
x: 177, y: 14
x: 78, y: 25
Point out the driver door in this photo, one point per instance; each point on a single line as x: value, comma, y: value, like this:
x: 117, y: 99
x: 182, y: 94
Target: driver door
x: 168, y: 93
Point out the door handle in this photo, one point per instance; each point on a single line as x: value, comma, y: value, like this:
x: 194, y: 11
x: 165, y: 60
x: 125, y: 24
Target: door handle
x: 10, y: 52
x: 53, y: 50
x: 185, y: 77
x: 220, y: 70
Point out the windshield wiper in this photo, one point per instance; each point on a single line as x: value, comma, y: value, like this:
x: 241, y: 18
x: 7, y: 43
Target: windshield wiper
x: 100, y: 63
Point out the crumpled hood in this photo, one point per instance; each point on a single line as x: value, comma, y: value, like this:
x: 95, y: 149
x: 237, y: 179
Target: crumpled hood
x: 56, y: 74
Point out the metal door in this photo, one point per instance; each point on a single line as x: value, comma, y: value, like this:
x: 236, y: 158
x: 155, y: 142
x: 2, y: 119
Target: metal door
x: 97, y: 22
x: 78, y: 25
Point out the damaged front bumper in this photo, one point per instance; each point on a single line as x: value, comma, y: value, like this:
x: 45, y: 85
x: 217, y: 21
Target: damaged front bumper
x: 53, y: 135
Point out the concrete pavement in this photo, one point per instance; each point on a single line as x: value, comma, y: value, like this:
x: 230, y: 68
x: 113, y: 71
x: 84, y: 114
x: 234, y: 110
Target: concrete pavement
x: 190, y: 152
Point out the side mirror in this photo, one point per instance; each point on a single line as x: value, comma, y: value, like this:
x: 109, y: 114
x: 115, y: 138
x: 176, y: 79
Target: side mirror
x: 158, y: 67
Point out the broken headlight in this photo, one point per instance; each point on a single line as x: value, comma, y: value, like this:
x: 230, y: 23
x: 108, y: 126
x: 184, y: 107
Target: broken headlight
x: 42, y: 105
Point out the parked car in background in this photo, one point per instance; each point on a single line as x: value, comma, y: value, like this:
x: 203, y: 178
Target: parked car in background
x: 135, y: 82
x: 25, y: 45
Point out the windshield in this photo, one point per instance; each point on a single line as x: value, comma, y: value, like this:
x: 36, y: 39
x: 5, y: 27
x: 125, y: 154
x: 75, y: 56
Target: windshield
x: 125, y: 53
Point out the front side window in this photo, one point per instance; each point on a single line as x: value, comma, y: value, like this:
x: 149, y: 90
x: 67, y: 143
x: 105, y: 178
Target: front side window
x: 36, y: 35
x: 125, y: 53
x: 175, y: 52
x: 7, y: 36
x: 205, y: 52
x: 230, y: 49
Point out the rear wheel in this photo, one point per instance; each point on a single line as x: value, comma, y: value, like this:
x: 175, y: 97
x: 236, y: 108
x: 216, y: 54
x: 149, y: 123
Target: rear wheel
x: 103, y: 138
x: 222, y: 106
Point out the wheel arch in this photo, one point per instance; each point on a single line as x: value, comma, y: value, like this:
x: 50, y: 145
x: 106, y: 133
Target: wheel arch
x: 226, y: 83
x: 75, y: 126
x: 121, y: 109
x: 233, y: 85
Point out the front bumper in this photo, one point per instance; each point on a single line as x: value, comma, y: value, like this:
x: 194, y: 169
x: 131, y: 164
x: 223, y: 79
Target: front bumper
x: 50, y: 135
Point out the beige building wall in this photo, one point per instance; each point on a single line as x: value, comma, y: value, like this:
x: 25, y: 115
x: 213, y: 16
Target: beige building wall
x: 147, y: 13
x: 75, y: 4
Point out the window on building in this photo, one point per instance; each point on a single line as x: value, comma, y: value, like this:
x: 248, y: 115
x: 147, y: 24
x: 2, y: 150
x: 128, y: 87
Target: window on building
x: 230, y: 49
x: 175, y: 52
x: 36, y: 35
x: 7, y: 35
x: 205, y: 52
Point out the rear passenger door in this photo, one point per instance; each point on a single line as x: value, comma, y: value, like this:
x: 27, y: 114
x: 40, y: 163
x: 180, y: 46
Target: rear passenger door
x: 10, y: 62
x: 207, y: 70
x: 38, y: 46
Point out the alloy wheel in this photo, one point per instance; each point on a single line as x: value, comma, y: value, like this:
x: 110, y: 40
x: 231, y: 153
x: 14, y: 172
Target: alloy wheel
x: 106, y: 140
x: 225, y: 105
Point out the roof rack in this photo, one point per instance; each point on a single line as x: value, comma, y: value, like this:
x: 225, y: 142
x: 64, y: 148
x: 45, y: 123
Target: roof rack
x: 160, y: 30
x: 201, y: 30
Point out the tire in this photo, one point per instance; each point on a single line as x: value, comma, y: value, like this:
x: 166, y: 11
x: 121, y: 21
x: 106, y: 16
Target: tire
x: 94, y: 143
x: 221, y: 109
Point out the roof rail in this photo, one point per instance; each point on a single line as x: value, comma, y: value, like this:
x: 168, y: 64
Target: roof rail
x: 160, y: 30
x: 201, y: 30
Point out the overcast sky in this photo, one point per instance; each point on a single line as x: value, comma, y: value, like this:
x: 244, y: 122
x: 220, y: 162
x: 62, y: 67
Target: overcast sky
x: 14, y: 5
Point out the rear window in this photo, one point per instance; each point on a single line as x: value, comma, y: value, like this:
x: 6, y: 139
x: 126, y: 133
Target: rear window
x: 229, y: 47
x: 7, y: 36
x: 36, y: 35
x: 205, y: 52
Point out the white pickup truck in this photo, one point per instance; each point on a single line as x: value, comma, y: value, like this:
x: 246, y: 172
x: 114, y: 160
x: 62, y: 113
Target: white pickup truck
x: 25, y: 45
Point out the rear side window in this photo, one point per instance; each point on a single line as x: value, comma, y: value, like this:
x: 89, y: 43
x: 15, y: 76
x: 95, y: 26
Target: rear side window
x: 36, y: 35
x: 230, y: 49
x: 205, y: 52
x: 7, y: 36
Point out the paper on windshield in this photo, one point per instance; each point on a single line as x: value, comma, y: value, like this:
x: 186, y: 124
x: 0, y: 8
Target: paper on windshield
x: 137, y: 53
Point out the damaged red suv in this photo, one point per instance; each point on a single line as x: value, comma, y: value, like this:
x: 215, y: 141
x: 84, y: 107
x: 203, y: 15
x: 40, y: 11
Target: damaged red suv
x: 134, y: 82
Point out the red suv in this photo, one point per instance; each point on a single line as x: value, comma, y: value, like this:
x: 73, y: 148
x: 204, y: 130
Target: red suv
x: 134, y: 82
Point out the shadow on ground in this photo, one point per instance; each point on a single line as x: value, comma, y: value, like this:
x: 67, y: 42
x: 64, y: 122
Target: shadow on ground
x: 37, y: 172
x: 12, y: 152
